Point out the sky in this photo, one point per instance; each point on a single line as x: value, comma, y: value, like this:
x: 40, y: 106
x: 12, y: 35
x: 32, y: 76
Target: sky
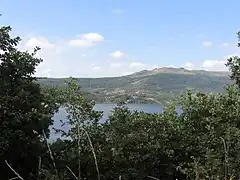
x: 99, y: 38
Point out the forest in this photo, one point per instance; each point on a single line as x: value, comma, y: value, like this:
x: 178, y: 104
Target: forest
x: 203, y: 142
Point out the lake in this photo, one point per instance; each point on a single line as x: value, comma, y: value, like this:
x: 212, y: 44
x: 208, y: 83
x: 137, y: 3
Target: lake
x: 106, y: 108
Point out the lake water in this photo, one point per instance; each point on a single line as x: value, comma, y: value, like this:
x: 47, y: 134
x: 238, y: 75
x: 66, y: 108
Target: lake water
x: 106, y: 108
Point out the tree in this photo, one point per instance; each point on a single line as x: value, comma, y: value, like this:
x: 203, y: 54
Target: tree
x: 78, y: 152
x: 234, y: 66
x: 25, y: 110
x: 141, y: 144
x: 130, y: 145
x: 210, y: 134
x: 233, y: 63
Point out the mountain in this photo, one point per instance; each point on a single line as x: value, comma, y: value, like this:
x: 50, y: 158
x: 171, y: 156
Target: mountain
x: 148, y: 86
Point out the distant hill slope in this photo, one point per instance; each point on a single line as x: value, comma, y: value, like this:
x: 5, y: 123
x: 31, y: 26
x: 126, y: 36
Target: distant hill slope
x: 149, y: 84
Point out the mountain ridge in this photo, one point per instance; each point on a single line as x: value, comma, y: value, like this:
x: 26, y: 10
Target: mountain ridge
x: 181, y: 71
x: 148, y: 86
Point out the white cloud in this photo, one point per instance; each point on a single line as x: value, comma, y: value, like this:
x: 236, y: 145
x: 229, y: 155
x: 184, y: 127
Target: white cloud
x: 39, y: 41
x: 47, y: 48
x: 207, y: 43
x: 137, y: 65
x: 214, y: 65
x: 210, y: 64
x: 117, y: 54
x: 62, y: 60
x: 86, y: 40
x: 189, y: 65
x: 93, y: 37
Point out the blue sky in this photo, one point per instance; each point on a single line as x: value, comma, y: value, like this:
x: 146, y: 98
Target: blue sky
x: 92, y: 38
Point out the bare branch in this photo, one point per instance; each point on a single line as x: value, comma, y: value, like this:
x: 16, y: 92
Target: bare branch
x: 18, y: 176
x: 14, y: 178
x: 93, y: 151
x: 79, y: 152
x: 51, y: 154
x: 72, y: 172
x: 151, y: 177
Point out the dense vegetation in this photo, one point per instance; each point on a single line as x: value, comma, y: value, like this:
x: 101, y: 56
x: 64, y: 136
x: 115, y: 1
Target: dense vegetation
x: 203, y: 142
x: 155, y: 86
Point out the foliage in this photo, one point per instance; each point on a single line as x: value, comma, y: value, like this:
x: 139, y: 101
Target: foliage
x: 208, y: 121
x: 233, y: 63
x: 136, y: 145
x: 234, y: 67
x: 24, y: 110
x: 78, y: 149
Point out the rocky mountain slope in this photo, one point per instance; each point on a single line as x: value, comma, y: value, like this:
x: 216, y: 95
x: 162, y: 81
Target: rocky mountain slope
x: 155, y: 85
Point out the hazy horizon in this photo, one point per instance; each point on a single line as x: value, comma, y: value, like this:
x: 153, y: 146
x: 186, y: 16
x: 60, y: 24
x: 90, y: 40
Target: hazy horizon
x: 226, y: 71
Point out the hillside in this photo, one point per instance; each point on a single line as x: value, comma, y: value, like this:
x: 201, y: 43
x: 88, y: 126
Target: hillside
x: 148, y: 86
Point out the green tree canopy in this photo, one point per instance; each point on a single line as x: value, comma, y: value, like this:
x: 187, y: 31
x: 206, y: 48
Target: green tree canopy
x: 25, y: 111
